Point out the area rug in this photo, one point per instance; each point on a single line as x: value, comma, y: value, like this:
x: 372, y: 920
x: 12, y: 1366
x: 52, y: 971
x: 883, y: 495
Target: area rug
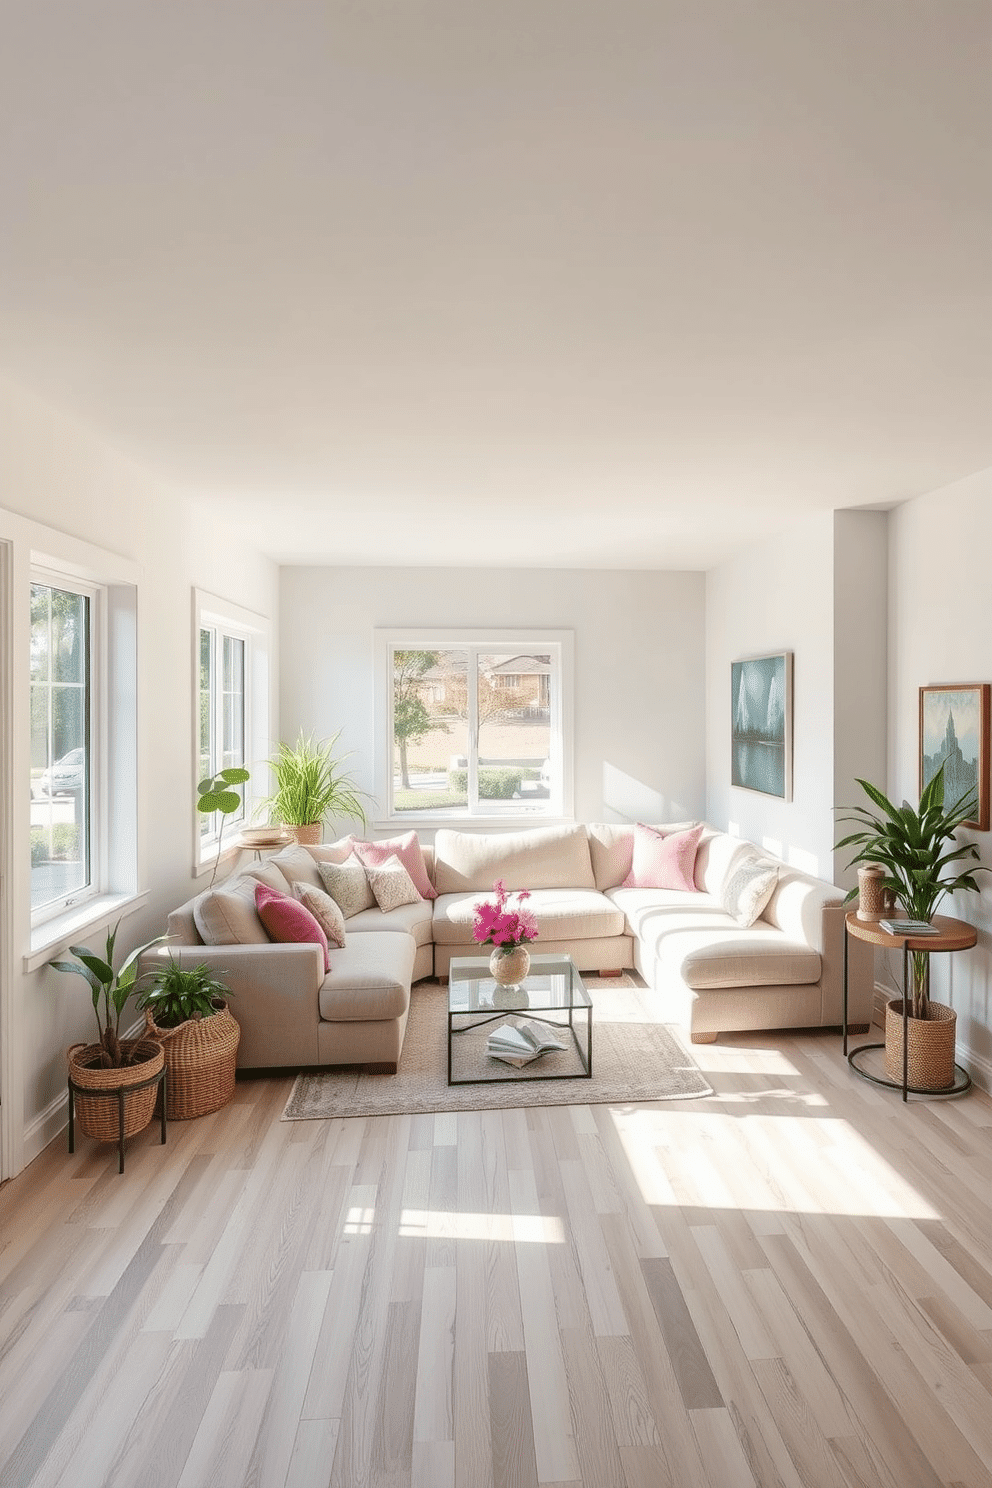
x: 635, y: 1059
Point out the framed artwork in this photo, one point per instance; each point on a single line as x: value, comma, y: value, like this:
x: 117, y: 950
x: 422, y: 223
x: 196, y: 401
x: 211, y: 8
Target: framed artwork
x: 761, y: 724
x: 954, y: 731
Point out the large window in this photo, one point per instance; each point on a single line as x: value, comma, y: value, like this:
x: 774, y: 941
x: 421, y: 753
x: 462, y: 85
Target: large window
x: 63, y: 808
x: 477, y: 727
x: 222, y: 712
x: 231, y: 697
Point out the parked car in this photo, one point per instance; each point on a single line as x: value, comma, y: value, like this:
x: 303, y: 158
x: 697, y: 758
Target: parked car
x: 68, y: 774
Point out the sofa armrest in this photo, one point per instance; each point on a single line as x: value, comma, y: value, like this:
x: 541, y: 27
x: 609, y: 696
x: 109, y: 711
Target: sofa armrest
x: 275, y: 990
x: 797, y: 907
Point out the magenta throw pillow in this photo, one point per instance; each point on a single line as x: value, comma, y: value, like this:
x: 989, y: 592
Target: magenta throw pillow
x: 407, y: 848
x: 285, y: 919
x: 663, y: 862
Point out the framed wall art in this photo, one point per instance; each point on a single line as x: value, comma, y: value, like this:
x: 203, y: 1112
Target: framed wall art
x: 954, y: 731
x: 761, y: 724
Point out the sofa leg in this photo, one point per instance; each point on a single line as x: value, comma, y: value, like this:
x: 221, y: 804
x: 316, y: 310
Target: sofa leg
x: 703, y: 1038
x: 614, y: 974
x: 385, y: 1068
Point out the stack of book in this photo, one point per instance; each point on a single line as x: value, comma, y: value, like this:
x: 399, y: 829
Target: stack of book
x: 912, y: 928
x: 520, y: 1044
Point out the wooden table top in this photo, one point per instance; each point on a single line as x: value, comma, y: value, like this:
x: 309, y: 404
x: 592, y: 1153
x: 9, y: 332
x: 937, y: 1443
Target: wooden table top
x: 955, y: 935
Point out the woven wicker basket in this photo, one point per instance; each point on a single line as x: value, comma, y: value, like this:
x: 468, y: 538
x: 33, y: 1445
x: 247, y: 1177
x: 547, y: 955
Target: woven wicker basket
x: 310, y: 835
x: 98, y: 1114
x: 200, y: 1055
x: 931, y: 1046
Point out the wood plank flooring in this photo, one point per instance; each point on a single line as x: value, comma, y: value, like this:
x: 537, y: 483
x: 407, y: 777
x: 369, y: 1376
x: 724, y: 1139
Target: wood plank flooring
x: 787, y: 1285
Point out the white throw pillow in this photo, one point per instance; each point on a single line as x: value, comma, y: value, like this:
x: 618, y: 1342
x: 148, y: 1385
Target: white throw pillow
x: 748, y: 890
x: 392, y: 885
x: 347, y: 884
x: 325, y: 910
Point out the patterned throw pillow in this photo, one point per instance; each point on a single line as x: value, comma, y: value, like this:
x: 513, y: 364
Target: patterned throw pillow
x: 325, y: 910
x: 407, y: 848
x: 748, y: 890
x: 286, y: 920
x: 392, y: 885
x: 347, y: 885
x: 663, y: 861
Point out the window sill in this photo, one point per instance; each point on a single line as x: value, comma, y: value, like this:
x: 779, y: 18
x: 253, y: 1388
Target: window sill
x: 56, y: 935
x: 505, y: 822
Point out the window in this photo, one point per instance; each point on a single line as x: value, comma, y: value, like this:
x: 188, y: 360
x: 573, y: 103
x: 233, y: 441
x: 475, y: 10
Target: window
x: 232, y: 706
x: 475, y: 727
x: 63, y: 807
x: 222, y: 712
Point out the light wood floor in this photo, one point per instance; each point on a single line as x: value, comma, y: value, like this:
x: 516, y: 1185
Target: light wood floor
x: 788, y: 1284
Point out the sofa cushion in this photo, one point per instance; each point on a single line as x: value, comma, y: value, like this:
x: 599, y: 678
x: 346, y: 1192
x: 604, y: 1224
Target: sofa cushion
x: 407, y: 848
x: 748, y: 889
x: 611, y: 848
x: 266, y: 873
x: 348, y: 884
x: 719, y: 855
x: 540, y: 858
x: 325, y: 910
x: 369, y: 979
x: 298, y: 864
x: 663, y: 861
x: 287, y: 920
x: 561, y: 914
x: 391, y: 884
x: 763, y: 961
x: 228, y: 916
x: 416, y: 919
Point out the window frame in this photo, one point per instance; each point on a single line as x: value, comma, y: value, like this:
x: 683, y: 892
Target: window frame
x: 557, y: 643
x: 98, y: 663
x: 226, y: 619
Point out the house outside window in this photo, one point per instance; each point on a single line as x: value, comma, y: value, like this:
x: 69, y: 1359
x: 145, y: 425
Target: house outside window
x: 64, y: 868
x: 475, y: 726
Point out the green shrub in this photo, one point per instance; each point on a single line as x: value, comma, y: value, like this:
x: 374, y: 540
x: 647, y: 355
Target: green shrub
x: 496, y: 783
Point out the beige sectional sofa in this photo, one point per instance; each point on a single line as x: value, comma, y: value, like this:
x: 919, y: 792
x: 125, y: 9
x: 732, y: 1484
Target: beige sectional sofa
x: 712, y: 975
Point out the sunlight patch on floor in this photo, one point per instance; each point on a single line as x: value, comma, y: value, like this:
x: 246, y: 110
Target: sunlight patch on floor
x: 526, y: 1229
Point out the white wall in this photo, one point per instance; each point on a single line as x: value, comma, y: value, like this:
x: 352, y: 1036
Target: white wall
x: 818, y: 590
x: 940, y: 630
x: 639, y: 655
x: 54, y: 472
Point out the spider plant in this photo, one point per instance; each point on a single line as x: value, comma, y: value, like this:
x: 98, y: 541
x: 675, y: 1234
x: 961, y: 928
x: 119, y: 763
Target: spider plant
x: 920, y: 867
x: 311, y: 785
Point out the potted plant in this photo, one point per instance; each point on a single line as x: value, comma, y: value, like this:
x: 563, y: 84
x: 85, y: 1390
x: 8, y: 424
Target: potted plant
x: 920, y: 862
x: 186, y: 1010
x: 112, y: 1063
x: 310, y: 787
x: 508, y: 931
x: 215, y: 794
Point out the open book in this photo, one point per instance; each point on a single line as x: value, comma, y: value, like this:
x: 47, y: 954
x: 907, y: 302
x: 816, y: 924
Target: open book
x: 519, y: 1045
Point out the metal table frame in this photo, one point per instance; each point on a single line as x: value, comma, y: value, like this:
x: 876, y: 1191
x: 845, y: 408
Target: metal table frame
x: 540, y: 965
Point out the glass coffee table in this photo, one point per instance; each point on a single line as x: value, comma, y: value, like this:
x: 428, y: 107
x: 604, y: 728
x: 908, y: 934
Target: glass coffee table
x: 553, y: 993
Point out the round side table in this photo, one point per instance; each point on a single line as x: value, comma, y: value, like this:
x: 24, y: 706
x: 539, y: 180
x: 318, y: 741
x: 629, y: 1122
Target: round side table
x: 953, y: 935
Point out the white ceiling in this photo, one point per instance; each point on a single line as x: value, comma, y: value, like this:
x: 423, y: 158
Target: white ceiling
x: 540, y: 281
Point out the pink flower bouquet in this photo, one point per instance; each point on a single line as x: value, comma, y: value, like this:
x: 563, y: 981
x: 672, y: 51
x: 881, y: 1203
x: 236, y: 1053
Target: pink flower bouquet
x: 499, y: 926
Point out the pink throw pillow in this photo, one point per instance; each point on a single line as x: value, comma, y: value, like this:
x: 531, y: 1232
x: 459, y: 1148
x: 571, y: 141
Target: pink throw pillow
x: 285, y: 919
x: 662, y: 862
x: 407, y: 848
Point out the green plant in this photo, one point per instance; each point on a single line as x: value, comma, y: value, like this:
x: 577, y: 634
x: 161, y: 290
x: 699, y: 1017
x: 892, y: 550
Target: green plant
x: 215, y: 794
x: 496, y: 782
x: 911, y: 847
x: 177, y: 993
x: 111, y: 990
x: 311, y: 785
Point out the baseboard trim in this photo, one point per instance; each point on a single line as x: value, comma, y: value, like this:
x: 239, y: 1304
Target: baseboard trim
x: 46, y: 1126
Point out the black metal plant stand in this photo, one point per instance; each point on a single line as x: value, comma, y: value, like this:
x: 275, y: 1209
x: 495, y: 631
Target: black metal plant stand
x: 117, y: 1094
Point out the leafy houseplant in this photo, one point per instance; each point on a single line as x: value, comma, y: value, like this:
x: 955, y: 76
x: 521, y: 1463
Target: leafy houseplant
x: 311, y: 786
x: 215, y: 794
x: 111, y: 990
x: 920, y: 867
x: 186, y: 1010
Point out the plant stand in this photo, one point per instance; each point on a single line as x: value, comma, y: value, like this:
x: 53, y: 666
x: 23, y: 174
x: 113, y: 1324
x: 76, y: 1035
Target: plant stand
x: 117, y: 1094
x: 954, y: 935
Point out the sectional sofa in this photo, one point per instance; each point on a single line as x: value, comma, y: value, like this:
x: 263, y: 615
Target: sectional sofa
x: 712, y: 972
